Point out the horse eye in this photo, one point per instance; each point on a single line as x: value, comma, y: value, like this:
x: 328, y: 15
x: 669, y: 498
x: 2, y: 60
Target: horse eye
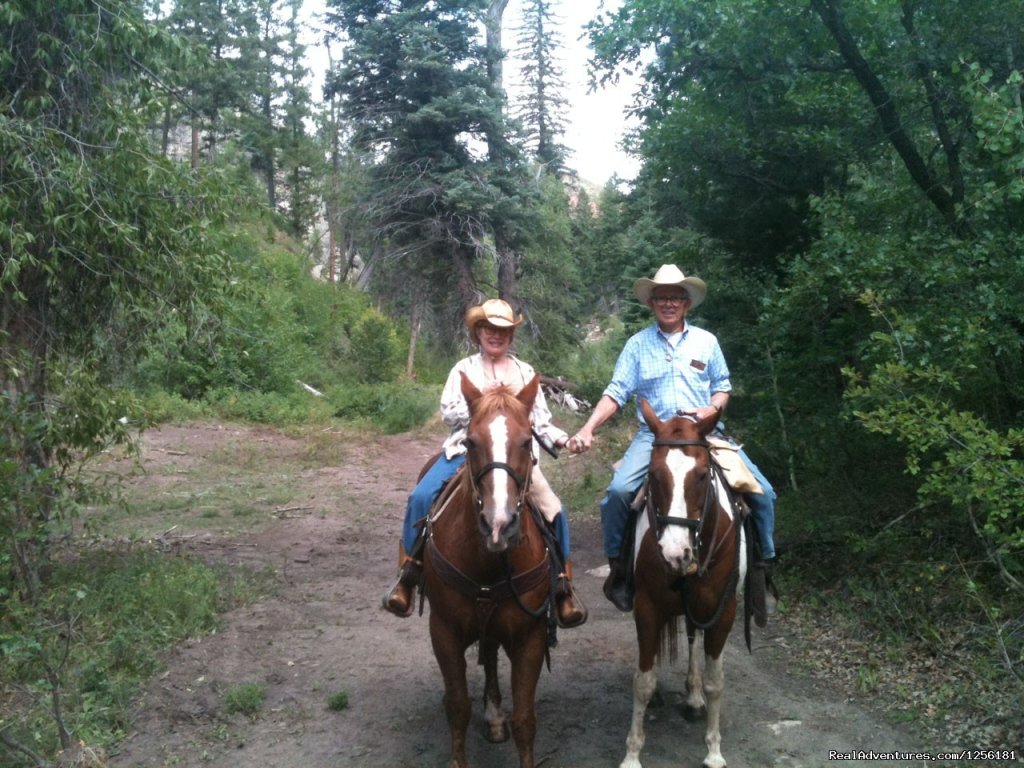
x: 469, y: 443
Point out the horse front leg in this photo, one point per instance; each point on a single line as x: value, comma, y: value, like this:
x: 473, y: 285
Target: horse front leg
x: 527, y: 660
x: 714, y: 684
x: 494, y: 716
x: 695, y: 707
x: 451, y: 658
x: 645, y: 680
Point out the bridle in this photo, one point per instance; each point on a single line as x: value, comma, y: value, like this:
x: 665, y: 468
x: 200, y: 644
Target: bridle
x: 705, y: 555
x: 660, y: 522
x: 523, y: 484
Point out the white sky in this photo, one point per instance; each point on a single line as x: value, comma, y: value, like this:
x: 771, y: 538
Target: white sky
x: 595, y: 122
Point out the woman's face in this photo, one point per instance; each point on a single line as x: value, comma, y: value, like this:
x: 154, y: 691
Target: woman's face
x: 494, y: 341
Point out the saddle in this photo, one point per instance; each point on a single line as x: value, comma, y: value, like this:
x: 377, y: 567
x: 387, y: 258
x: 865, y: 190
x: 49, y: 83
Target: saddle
x: 726, y: 454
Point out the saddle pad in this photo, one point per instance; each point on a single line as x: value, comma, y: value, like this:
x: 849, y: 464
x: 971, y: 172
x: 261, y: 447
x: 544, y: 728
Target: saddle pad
x: 737, y: 473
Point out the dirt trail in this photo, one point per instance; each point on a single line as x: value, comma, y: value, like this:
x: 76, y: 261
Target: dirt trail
x: 324, y: 632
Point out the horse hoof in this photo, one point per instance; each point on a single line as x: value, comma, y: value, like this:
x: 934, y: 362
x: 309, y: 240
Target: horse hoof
x: 496, y: 733
x: 693, y: 714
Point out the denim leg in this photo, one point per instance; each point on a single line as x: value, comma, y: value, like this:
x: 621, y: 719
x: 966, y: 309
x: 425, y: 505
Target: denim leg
x: 625, y: 482
x: 762, y: 507
x: 561, y: 528
x: 423, y: 495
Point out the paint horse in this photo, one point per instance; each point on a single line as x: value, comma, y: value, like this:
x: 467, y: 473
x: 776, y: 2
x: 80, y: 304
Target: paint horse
x: 488, y: 572
x: 690, y: 558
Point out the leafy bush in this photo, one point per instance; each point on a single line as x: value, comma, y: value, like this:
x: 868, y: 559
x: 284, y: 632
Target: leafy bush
x: 393, y: 408
x: 267, y: 407
x: 117, y: 611
x: 338, y: 701
x: 376, y: 349
x: 246, y: 699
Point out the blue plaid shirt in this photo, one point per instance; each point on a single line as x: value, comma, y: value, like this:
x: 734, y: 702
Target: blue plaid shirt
x: 670, y: 378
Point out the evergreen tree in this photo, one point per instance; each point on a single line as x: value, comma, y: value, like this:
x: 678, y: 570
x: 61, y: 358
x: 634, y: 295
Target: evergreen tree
x: 542, y: 105
x: 414, y: 86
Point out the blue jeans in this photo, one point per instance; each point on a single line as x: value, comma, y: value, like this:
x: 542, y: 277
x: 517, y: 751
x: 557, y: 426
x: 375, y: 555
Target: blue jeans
x: 422, y: 497
x: 630, y: 476
x: 426, y: 491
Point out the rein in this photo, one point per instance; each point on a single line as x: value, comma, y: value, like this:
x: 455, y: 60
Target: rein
x: 487, y: 596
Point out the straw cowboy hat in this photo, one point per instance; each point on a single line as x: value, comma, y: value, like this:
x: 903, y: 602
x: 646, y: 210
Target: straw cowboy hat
x: 669, y: 274
x: 494, y: 312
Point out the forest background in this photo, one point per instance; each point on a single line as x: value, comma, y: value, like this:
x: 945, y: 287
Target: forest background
x: 847, y: 177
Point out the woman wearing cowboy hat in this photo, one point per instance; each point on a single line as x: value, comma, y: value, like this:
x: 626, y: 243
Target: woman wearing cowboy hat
x: 678, y: 369
x: 492, y: 326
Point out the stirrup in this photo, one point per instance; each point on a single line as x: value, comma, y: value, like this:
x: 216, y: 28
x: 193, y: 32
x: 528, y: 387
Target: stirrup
x: 400, y: 600
x: 569, y: 608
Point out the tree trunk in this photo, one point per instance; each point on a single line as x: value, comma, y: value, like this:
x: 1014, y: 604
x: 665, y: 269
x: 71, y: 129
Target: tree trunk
x: 414, y: 335
x: 885, y: 107
x: 508, y: 259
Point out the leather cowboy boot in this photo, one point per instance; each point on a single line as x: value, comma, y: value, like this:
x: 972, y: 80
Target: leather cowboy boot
x: 400, y: 599
x: 616, y: 586
x: 571, y: 610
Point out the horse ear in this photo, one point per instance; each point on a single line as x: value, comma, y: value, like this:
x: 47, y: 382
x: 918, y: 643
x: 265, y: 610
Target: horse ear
x: 529, y: 393
x: 649, y: 415
x: 707, y: 425
x: 469, y: 390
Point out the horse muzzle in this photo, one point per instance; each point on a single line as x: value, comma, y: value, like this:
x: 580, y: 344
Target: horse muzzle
x: 499, y: 532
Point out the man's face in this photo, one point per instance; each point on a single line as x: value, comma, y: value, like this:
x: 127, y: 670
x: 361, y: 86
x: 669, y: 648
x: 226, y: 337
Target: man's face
x: 670, y: 304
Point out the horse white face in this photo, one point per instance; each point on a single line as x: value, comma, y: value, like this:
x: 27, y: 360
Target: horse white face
x: 678, y: 543
x: 499, y: 446
x: 499, y: 493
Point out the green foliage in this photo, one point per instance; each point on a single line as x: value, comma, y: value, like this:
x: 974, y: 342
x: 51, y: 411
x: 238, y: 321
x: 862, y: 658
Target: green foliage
x: 244, y: 698
x: 392, y: 408
x: 116, y: 612
x: 338, y: 702
x: 376, y: 350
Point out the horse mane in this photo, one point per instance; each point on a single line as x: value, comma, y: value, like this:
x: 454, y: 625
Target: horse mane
x: 498, y: 400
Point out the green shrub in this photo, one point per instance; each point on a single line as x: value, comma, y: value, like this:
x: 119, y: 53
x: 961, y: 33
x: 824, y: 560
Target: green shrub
x: 161, y: 407
x: 338, y: 701
x: 245, y: 699
x: 119, y: 610
x: 376, y: 349
x: 392, y: 408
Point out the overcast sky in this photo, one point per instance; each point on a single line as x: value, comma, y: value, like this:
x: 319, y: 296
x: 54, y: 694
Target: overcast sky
x: 595, y: 122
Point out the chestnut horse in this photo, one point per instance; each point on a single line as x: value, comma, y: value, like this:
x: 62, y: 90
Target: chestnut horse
x: 488, y: 569
x: 690, y: 558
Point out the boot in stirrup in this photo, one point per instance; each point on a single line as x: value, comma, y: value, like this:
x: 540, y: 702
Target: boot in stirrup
x: 617, y: 587
x: 571, y: 610
x: 400, y: 600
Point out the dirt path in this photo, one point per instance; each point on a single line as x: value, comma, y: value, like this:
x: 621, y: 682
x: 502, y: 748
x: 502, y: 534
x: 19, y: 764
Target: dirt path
x: 323, y: 632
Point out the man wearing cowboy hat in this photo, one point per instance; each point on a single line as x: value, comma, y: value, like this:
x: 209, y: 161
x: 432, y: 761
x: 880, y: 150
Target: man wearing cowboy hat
x: 677, y: 368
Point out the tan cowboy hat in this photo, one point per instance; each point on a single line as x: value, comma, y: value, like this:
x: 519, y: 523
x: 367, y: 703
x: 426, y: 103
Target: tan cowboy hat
x: 669, y: 274
x: 494, y: 312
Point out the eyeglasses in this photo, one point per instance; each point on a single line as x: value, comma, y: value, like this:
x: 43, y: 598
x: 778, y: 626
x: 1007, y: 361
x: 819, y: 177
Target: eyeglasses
x: 672, y: 300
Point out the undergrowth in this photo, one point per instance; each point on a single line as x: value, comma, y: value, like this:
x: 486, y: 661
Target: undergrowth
x: 117, y: 611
